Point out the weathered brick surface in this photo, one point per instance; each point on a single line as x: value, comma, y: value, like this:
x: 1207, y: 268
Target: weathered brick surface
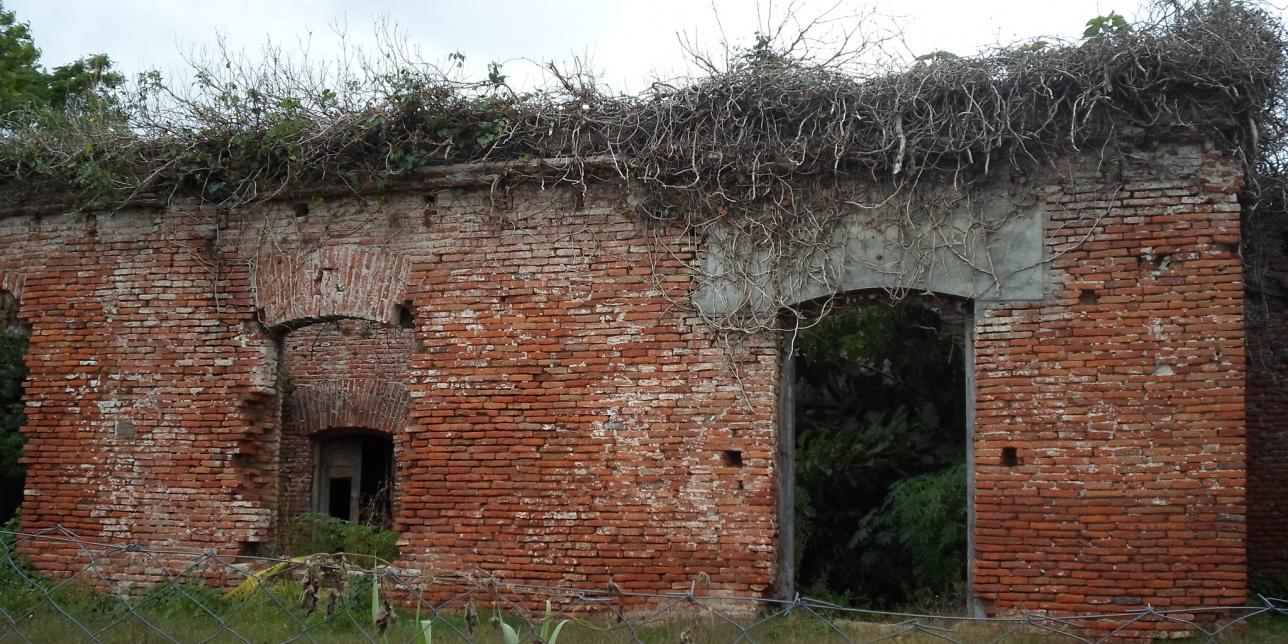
x: 1122, y: 395
x: 312, y: 284
x: 565, y: 419
x: 145, y: 385
x: 1266, y: 251
x: 571, y: 418
x: 11, y: 282
x: 559, y: 418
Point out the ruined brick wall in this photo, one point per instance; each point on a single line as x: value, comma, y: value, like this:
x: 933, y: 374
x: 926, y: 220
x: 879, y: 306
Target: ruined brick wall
x: 148, y: 383
x: 1122, y: 398
x: 559, y: 417
x: 571, y: 418
x: 1266, y: 253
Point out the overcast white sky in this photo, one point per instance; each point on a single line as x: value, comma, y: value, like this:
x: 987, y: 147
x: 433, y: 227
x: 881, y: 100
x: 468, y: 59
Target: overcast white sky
x: 628, y: 42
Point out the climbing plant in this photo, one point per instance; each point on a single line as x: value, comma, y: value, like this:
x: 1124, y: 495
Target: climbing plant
x: 762, y: 158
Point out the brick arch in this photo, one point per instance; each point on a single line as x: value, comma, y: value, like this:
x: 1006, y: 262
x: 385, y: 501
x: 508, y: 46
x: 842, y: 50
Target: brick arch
x: 331, y: 283
x: 380, y: 405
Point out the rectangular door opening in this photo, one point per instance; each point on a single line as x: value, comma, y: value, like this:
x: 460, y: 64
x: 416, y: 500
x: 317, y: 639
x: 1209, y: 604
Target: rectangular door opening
x: 353, y: 477
x: 874, y: 455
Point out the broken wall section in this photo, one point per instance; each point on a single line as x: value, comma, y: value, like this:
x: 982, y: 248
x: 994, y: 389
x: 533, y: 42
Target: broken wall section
x: 340, y: 375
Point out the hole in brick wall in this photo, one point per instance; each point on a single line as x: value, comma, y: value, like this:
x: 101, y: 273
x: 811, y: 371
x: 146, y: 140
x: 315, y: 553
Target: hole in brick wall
x: 1163, y: 261
x: 1088, y: 297
x: 500, y: 199
x: 300, y: 209
x: 431, y: 209
x: 1010, y: 457
x: 251, y: 549
x: 8, y: 312
x: 1227, y: 248
x: 124, y: 430
x: 406, y: 316
x: 731, y: 457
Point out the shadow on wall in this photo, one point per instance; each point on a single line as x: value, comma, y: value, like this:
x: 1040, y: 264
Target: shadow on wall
x: 1266, y: 309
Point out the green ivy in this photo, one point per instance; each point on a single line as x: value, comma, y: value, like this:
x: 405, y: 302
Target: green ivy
x: 1107, y: 26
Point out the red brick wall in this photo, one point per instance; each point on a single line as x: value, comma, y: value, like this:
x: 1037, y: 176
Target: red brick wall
x: 568, y: 420
x: 1266, y: 252
x: 562, y: 420
x: 1123, y: 396
x: 148, y: 386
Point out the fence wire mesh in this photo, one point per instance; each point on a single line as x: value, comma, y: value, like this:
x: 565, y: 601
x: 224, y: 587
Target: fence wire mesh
x: 131, y: 593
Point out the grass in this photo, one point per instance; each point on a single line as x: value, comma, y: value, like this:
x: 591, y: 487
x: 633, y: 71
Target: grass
x: 38, y: 610
x: 197, y: 614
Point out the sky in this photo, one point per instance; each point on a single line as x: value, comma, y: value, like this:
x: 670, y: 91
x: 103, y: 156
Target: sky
x: 627, y: 43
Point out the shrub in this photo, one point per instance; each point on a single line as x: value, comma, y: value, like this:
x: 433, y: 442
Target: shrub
x: 313, y: 533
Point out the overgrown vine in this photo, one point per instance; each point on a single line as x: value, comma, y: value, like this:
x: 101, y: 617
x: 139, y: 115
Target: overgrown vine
x: 761, y: 160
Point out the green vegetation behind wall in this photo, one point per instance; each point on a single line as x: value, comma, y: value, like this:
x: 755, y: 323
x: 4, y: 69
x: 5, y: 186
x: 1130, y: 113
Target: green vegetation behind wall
x: 880, y: 444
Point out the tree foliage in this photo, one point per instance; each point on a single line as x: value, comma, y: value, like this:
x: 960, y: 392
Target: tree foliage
x: 26, y: 86
x: 880, y: 437
x: 27, y: 90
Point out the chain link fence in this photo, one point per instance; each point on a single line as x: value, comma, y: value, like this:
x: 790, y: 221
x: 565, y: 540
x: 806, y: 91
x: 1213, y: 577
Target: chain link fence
x: 131, y: 593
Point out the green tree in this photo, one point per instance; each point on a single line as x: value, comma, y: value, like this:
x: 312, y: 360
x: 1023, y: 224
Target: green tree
x: 880, y: 441
x: 26, y: 85
x: 27, y: 90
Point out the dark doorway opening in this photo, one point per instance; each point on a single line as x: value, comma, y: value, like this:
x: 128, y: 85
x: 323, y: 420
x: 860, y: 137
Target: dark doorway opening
x: 340, y: 504
x: 353, y: 477
x: 13, y: 372
x: 879, y: 422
